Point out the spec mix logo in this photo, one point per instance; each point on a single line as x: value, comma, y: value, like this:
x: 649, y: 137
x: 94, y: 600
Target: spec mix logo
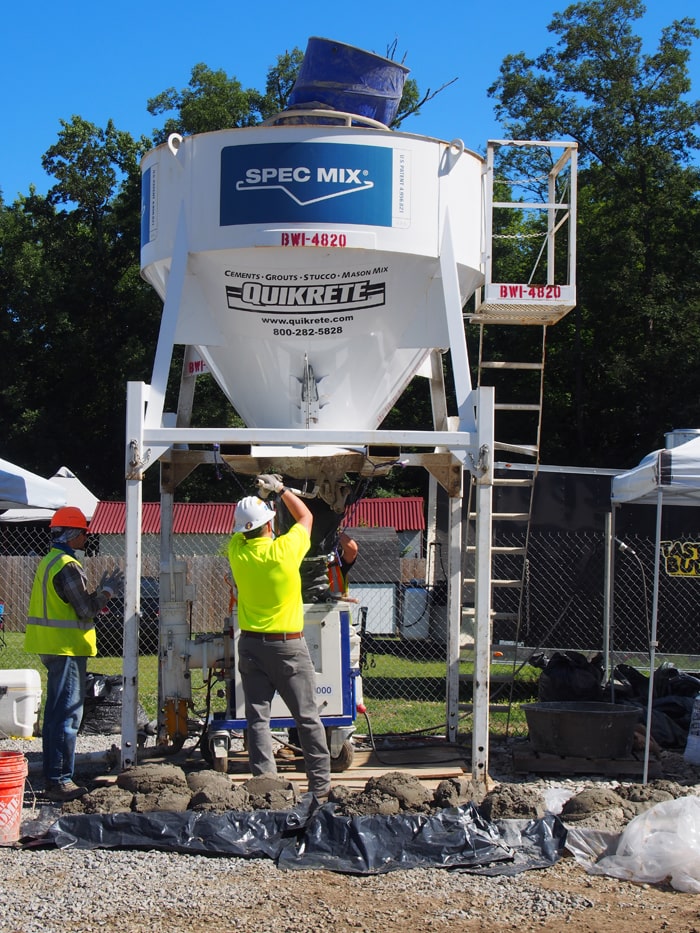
x: 306, y: 182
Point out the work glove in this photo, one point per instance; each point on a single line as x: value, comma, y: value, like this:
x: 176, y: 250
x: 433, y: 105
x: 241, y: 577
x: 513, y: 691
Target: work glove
x: 112, y: 583
x: 269, y: 482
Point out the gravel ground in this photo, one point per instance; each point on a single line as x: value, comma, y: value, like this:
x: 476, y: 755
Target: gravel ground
x: 43, y: 890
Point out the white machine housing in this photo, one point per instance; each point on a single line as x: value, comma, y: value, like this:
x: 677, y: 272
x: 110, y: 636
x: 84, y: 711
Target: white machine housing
x: 327, y: 633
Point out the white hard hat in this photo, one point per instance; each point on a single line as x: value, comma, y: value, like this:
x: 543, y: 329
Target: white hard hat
x: 251, y: 513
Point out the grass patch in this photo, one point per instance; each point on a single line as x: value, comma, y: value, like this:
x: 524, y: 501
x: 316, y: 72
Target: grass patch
x: 402, y: 716
x: 403, y: 695
x: 109, y: 666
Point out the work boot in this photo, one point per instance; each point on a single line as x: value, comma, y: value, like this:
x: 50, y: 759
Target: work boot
x: 65, y: 791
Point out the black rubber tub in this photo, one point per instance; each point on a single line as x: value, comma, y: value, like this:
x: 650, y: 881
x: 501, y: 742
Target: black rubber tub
x: 581, y: 729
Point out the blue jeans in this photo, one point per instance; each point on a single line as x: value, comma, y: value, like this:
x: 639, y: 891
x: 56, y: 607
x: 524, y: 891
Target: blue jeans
x: 63, y: 713
x: 285, y: 667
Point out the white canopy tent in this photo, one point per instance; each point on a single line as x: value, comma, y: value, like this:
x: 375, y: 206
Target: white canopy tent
x: 20, y: 488
x: 70, y: 491
x: 670, y: 476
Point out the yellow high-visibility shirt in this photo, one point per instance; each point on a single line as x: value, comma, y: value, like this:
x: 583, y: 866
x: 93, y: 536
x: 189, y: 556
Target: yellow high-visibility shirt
x: 267, y: 576
x: 53, y: 626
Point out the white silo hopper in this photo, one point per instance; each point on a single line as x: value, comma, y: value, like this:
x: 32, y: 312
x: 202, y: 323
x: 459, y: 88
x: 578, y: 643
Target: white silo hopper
x: 309, y: 262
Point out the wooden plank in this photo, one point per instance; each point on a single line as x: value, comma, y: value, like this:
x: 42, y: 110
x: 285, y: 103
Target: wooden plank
x: 527, y: 759
x: 365, y: 766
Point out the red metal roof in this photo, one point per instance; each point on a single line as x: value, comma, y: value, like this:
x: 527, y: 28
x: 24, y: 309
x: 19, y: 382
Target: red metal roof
x: 213, y: 518
x: 403, y: 514
x: 216, y: 518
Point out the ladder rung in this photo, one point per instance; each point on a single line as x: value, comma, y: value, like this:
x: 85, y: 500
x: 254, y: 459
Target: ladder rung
x: 512, y: 584
x: 527, y: 449
x: 500, y: 549
x: 495, y: 616
x: 512, y: 482
x: 505, y: 516
x: 502, y: 364
x: 517, y: 406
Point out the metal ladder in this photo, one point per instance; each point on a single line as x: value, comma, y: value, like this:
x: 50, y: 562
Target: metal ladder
x: 511, y: 526
x: 516, y: 370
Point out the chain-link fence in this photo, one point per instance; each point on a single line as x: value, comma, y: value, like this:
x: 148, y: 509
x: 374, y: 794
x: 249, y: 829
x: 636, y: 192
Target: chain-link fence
x: 402, y: 618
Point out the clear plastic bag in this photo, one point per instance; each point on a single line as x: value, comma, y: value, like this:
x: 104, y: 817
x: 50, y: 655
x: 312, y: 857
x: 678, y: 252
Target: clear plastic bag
x: 661, y: 843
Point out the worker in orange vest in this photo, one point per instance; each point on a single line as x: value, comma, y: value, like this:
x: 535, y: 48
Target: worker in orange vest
x: 340, y: 563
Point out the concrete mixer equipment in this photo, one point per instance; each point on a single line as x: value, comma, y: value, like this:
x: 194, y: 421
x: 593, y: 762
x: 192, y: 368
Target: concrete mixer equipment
x: 313, y: 265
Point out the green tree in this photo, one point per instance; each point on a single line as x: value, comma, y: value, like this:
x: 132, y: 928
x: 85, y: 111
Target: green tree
x: 78, y: 320
x: 212, y: 101
x: 621, y: 367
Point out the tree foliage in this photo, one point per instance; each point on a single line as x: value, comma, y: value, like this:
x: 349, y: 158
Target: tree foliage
x: 212, y: 101
x: 619, y: 367
x: 77, y: 319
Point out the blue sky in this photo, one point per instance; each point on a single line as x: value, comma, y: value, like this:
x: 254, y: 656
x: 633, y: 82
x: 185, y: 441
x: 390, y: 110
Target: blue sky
x: 105, y: 60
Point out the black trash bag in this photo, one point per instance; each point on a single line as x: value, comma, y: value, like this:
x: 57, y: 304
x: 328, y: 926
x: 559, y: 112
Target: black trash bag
x: 255, y: 834
x: 677, y: 711
x: 637, y: 684
x: 538, y: 659
x: 457, y: 838
x: 569, y: 675
x: 670, y: 682
x: 673, y: 697
x: 670, y: 719
x: 102, y: 709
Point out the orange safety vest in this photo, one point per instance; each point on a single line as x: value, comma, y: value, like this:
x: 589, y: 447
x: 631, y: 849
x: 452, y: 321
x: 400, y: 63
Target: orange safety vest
x: 337, y: 581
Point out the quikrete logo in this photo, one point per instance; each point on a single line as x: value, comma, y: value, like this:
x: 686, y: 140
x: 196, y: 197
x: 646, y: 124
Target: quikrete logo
x: 307, y: 182
x: 352, y: 180
x: 254, y: 296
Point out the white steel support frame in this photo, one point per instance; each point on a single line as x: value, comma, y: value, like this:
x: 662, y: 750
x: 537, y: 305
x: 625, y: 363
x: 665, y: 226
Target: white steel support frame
x: 482, y: 576
x: 559, y: 213
x: 468, y: 437
x: 454, y: 614
x: 653, y: 638
x: 135, y: 409
x: 142, y: 440
x: 608, y: 590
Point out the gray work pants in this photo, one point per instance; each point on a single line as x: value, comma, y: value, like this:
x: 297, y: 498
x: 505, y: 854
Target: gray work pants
x: 285, y: 667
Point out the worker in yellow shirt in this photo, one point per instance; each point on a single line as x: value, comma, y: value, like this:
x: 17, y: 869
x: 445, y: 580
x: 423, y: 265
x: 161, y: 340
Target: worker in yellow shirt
x: 272, y: 654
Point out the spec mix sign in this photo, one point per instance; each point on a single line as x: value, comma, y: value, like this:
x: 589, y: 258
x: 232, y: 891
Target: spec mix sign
x: 306, y: 183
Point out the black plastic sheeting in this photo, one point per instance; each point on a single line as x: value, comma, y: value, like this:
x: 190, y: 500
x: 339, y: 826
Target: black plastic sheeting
x: 308, y: 837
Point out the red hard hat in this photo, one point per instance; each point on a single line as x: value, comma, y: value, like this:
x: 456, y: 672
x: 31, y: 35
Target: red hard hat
x: 68, y: 517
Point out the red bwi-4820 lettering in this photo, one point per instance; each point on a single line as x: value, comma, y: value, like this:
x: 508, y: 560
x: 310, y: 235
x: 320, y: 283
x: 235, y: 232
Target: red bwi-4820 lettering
x: 529, y: 291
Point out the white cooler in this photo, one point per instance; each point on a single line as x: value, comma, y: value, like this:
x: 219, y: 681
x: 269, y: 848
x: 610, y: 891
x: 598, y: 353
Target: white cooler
x: 20, y: 699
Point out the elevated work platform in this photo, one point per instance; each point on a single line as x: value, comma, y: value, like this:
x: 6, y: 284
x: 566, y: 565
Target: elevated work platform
x: 542, y: 231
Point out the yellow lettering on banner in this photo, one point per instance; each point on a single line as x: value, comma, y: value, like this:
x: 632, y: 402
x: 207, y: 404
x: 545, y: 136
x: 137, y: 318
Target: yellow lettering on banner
x: 681, y: 558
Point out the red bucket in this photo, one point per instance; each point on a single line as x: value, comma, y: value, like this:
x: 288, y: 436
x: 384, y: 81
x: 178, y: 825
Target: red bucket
x: 13, y: 771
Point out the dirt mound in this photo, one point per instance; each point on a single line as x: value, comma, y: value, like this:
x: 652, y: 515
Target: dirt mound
x: 168, y: 787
